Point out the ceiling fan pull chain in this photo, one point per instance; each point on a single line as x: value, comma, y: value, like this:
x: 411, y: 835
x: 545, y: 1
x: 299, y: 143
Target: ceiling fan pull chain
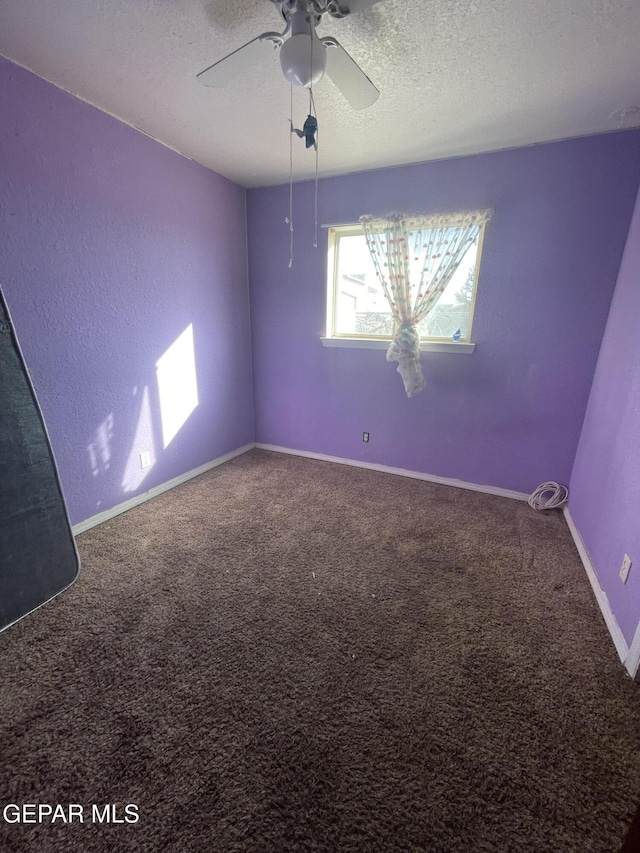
x: 315, y: 235
x: 289, y: 218
x: 312, y: 103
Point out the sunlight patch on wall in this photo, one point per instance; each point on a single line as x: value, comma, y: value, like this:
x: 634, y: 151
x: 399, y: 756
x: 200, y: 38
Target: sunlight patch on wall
x: 100, y: 448
x: 134, y: 474
x: 177, y: 384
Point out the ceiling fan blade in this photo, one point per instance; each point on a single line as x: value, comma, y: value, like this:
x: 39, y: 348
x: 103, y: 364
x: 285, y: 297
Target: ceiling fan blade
x: 235, y: 64
x: 348, y: 77
x: 349, y: 7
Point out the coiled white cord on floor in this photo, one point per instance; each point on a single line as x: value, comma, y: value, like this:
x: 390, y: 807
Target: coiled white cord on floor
x: 549, y: 495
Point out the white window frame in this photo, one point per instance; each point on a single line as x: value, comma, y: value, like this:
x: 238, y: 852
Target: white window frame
x: 337, y: 339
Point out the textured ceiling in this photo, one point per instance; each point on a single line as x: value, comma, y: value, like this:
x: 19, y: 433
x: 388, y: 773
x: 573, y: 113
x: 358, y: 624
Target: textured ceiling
x: 456, y: 76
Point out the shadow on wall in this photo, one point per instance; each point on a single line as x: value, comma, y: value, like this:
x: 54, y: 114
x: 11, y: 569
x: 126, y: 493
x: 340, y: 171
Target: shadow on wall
x: 161, y: 406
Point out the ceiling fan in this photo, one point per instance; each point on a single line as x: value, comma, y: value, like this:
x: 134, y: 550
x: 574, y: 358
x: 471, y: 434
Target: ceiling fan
x: 304, y: 57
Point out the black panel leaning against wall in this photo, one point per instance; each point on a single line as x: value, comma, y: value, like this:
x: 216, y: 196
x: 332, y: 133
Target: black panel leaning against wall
x: 38, y: 557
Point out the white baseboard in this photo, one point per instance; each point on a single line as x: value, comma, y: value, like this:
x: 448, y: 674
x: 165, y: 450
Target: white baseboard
x: 101, y: 517
x: 632, y: 661
x: 603, y: 602
x: 402, y: 472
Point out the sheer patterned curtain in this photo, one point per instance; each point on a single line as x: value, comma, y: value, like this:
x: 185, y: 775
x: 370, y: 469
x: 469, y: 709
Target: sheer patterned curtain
x: 415, y: 258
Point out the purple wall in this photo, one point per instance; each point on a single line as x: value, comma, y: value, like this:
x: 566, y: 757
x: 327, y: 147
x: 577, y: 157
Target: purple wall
x: 111, y: 245
x: 605, y: 484
x: 508, y: 415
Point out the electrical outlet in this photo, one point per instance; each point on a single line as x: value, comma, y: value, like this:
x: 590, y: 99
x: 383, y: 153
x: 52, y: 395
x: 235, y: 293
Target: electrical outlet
x: 624, y: 568
x: 365, y: 436
x: 145, y: 459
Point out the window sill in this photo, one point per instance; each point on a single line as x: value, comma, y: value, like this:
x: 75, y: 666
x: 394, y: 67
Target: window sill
x: 425, y: 346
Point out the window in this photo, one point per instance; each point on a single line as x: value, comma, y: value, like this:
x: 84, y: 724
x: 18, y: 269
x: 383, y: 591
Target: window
x: 358, y: 311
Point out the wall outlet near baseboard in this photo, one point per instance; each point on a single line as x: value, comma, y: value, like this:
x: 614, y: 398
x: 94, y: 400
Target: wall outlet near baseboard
x: 624, y: 568
x: 145, y: 459
x: 365, y: 436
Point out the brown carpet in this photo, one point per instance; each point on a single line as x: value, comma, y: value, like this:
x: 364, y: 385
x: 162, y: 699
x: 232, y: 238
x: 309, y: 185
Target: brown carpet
x: 290, y: 655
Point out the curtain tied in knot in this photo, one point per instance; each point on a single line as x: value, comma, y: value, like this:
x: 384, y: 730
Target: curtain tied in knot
x: 405, y: 349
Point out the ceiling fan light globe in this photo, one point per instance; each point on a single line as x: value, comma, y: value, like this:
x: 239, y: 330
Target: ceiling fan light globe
x: 303, y: 60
